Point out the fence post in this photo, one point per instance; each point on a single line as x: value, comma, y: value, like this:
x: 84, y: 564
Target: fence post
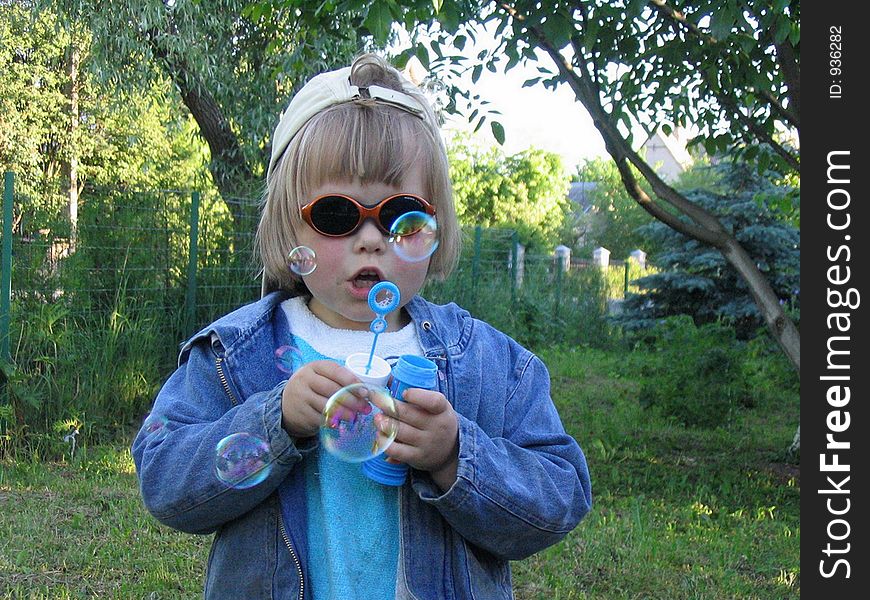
x: 515, y: 257
x: 191, y: 262
x: 625, y: 286
x: 475, y: 263
x: 562, y: 261
x: 6, y: 282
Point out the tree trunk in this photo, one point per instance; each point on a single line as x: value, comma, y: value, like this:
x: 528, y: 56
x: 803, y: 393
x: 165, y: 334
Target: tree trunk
x: 74, y: 60
x: 702, y: 225
x: 230, y: 171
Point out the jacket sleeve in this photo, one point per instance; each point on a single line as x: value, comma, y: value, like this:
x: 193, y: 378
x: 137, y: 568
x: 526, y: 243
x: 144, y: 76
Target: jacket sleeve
x: 176, y: 464
x: 524, y: 490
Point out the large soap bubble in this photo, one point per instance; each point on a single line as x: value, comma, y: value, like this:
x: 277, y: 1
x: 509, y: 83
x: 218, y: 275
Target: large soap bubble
x: 302, y: 260
x: 414, y: 236
x: 243, y: 460
x: 348, y: 429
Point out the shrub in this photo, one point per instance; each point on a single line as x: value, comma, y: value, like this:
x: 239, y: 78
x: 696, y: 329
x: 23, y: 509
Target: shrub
x: 698, y: 376
x: 695, y: 279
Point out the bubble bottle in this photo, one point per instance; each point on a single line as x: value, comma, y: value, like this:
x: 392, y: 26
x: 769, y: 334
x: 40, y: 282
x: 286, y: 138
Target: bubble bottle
x: 409, y: 372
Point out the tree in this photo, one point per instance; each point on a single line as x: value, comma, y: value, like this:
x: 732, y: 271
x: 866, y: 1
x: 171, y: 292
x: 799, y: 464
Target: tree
x: 695, y: 280
x: 232, y: 67
x: 58, y: 142
x: 524, y: 191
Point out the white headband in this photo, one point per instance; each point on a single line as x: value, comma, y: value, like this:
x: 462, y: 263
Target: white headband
x: 325, y: 90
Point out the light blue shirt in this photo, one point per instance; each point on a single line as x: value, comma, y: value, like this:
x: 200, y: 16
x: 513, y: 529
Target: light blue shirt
x: 353, y: 522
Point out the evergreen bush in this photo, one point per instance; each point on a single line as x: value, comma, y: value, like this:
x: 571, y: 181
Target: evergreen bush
x: 696, y: 280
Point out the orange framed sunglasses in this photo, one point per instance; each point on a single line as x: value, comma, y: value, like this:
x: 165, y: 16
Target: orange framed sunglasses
x: 337, y: 215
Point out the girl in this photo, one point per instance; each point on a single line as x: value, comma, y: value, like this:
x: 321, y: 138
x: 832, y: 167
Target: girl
x: 493, y: 475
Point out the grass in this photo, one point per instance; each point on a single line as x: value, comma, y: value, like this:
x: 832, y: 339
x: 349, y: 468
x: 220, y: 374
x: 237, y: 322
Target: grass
x: 679, y: 513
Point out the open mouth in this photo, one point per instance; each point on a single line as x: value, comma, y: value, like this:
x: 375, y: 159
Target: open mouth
x: 366, y: 279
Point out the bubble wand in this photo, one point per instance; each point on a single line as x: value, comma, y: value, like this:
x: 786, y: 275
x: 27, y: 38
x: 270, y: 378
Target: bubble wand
x: 390, y: 297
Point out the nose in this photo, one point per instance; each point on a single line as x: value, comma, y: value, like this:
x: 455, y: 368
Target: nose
x: 369, y: 238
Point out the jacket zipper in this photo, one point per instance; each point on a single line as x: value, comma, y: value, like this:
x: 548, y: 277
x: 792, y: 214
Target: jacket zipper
x: 218, y: 363
x: 292, y: 553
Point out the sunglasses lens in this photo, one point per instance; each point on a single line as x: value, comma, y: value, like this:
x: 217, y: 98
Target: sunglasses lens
x: 334, y: 215
x: 398, y: 206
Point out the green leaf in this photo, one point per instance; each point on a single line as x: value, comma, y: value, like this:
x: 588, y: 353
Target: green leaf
x: 475, y: 73
x: 436, y: 4
x: 497, y: 132
x: 557, y: 29
x: 422, y: 55
x: 378, y: 21
x: 722, y: 23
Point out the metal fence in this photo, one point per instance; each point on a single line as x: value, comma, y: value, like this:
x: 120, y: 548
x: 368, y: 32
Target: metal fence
x: 187, y: 256
x: 92, y: 309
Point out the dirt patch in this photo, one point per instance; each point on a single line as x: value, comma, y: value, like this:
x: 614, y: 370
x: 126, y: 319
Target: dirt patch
x: 784, y: 472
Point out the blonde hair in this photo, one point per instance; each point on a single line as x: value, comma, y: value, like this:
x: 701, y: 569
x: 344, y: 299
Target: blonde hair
x: 366, y: 140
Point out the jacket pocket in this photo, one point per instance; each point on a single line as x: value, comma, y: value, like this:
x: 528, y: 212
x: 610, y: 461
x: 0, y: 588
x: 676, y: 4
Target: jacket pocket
x: 487, y: 576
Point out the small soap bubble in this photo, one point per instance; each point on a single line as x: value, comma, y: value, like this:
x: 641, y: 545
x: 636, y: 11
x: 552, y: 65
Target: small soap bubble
x: 243, y: 460
x: 348, y: 429
x: 287, y: 358
x: 302, y: 260
x: 414, y: 236
x: 156, y: 426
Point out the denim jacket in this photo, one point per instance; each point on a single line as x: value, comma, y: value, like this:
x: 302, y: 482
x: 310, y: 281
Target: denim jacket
x: 522, y: 482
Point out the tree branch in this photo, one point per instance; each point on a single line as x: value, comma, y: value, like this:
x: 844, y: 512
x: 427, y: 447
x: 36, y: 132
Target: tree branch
x: 228, y: 167
x: 785, y: 59
x: 704, y: 226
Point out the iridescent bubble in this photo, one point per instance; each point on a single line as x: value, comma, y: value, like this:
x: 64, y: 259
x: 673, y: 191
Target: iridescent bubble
x: 348, y: 429
x: 243, y: 460
x: 414, y: 236
x: 302, y: 260
x: 156, y: 426
x: 286, y: 359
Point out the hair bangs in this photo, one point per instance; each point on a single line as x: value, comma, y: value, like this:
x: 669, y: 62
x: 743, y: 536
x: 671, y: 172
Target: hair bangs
x: 358, y: 142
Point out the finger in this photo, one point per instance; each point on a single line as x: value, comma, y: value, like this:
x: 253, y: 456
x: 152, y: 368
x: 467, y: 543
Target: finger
x: 402, y: 453
x: 431, y: 401
x: 323, y: 386
x: 405, y: 433
x: 334, y: 371
x: 348, y: 406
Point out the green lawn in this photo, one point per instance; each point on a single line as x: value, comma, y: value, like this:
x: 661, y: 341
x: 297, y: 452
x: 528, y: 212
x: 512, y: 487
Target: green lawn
x: 679, y: 513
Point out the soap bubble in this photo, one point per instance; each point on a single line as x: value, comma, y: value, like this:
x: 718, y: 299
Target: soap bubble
x: 243, y: 460
x: 156, y: 426
x: 287, y: 358
x: 348, y: 428
x: 414, y: 236
x: 302, y: 260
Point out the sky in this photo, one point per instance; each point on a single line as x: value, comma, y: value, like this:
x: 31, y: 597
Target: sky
x: 535, y: 116
x: 532, y: 116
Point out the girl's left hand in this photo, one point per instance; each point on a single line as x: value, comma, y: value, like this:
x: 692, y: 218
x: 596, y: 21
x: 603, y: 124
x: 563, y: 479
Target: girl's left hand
x: 428, y: 435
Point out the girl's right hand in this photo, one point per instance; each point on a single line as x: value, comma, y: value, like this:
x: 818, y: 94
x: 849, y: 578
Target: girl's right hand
x: 306, y: 393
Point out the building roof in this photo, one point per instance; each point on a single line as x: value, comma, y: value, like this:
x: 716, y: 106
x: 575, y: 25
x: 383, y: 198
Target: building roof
x: 579, y: 192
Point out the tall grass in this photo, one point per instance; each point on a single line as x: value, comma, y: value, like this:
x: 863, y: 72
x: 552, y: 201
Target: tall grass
x: 91, y: 373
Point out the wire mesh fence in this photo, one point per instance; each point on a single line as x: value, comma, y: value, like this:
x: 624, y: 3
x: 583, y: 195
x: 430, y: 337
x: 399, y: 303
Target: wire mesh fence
x: 95, y: 307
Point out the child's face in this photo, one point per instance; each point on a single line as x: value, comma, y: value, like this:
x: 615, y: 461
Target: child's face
x: 347, y: 267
